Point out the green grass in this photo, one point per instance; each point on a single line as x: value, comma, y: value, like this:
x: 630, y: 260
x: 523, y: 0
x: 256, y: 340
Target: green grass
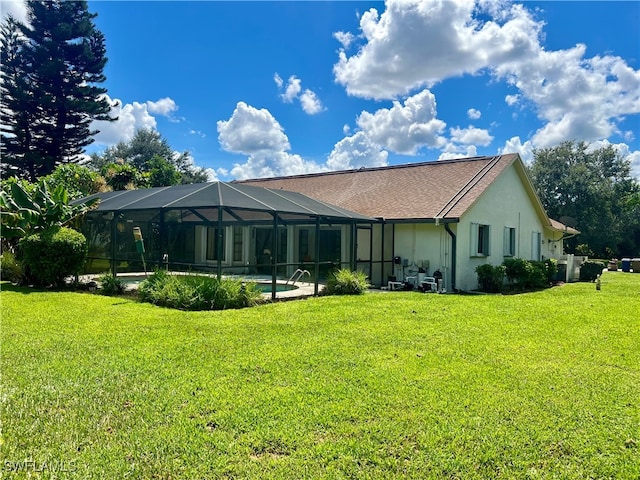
x: 395, y: 385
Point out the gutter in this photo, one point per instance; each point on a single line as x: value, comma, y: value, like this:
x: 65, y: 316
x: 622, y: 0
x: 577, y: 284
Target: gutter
x: 453, y: 255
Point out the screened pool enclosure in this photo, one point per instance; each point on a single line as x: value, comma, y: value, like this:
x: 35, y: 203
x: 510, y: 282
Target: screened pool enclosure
x: 221, y: 228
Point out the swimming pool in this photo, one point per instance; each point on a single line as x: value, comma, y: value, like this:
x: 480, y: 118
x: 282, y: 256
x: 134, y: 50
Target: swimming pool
x: 132, y: 281
x: 265, y: 287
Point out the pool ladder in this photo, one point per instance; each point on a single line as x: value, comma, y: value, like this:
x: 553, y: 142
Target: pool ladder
x: 297, y: 276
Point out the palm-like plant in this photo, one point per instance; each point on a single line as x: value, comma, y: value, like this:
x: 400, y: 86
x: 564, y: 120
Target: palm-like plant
x: 24, y: 212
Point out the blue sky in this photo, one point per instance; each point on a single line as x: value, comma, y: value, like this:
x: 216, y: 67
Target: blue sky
x: 256, y: 89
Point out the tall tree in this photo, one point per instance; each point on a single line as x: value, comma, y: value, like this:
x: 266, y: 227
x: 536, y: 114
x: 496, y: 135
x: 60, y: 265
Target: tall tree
x: 595, y: 187
x: 143, y: 151
x: 56, y: 68
x: 19, y: 156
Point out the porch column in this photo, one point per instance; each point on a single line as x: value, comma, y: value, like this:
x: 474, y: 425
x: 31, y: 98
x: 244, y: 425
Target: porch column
x: 315, y: 287
x: 274, y: 255
x: 220, y: 246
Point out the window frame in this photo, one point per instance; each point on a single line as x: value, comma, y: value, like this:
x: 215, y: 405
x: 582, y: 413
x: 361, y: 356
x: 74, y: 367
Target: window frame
x: 480, y: 240
x: 510, y: 241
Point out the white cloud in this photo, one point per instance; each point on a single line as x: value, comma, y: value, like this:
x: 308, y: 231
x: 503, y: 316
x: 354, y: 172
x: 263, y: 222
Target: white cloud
x: 405, y: 128
x: 634, y: 157
x: 278, y: 80
x: 198, y: 133
x: 256, y: 133
x: 576, y: 97
x: 512, y: 100
x: 453, y: 151
x: 211, y: 175
x: 356, y: 151
x: 251, y: 131
x: 471, y: 136
x: 293, y: 89
x: 345, y: 38
x: 17, y: 8
x: 131, y: 117
x: 309, y: 101
x: 474, y: 114
x: 417, y: 43
x: 165, y: 107
x: 515, y: 145
x: 274, y: 164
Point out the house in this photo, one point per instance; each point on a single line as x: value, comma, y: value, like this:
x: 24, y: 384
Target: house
x: 441, y: 216
x: 421, y: 219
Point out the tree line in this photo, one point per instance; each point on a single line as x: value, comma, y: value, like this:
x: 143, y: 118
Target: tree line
x: 596, y: 189
x: 50, y: 85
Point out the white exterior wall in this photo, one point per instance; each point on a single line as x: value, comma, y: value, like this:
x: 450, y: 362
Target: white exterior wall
x: 505, y: 203
x: 423, y: 242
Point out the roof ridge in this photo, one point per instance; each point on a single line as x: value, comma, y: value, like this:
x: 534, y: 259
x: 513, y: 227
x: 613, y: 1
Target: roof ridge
x: 369, y: 169
x: 466, y: 188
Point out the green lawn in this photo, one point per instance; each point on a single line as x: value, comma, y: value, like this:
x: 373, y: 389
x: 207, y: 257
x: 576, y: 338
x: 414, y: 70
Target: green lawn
x: 386, y: 385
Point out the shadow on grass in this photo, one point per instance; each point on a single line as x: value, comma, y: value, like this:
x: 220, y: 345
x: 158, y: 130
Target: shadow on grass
x: 11, y: 287
x: 26, y: 289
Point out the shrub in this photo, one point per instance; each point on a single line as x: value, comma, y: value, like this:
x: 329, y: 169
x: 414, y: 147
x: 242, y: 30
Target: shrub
x: 110, y: 284
x: 52, y: 255
x: 191, y: 292
x: 10, y: 268
x: 490, y: 277
x: 590, y: 270
x: 530, y: 274
x: 518, y: 270
x: 346, y: 282
x: 550, y: 269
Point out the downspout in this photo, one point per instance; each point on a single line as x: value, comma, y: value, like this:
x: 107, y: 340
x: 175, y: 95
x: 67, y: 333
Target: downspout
x: 453, y: 256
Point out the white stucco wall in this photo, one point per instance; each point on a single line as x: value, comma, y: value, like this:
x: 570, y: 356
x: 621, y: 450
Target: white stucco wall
x: 505, y: 203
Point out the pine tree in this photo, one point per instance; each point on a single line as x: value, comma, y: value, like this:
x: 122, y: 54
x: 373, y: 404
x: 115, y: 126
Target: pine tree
x: 19, y: 157
x: 61, y: 59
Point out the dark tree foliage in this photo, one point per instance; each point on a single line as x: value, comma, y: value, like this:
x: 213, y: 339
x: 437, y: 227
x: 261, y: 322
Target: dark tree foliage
x: 143, y: 152
x: 50, y: 92
x: 19, y: 156
x: 595, y: 187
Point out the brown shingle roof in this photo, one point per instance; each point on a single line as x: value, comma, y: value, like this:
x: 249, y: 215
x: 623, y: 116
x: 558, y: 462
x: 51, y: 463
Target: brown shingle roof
x: 426, y: 190
x: 561, y: 227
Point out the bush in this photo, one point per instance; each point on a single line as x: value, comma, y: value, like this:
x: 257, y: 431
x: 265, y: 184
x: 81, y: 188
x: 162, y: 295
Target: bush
x: 550, y: 266
x: 52, y: 255
x: 110, y: 284
x: 191, y: 292
x: 590, y: 270
x: 530, y: 274
x: 346, y: 282
x: 490, y: 277
x: 10, y: 268
x: 518, y: 270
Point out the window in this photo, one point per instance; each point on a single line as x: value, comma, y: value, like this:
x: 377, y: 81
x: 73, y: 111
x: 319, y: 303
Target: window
x: 480, y: 240
x: 509, y: 242
x: 536, y: 241
x: 213, y: 240
x: 237, y: 244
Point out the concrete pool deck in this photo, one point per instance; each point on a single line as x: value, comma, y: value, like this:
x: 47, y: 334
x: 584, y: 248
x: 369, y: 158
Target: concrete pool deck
x: 304, y: 289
